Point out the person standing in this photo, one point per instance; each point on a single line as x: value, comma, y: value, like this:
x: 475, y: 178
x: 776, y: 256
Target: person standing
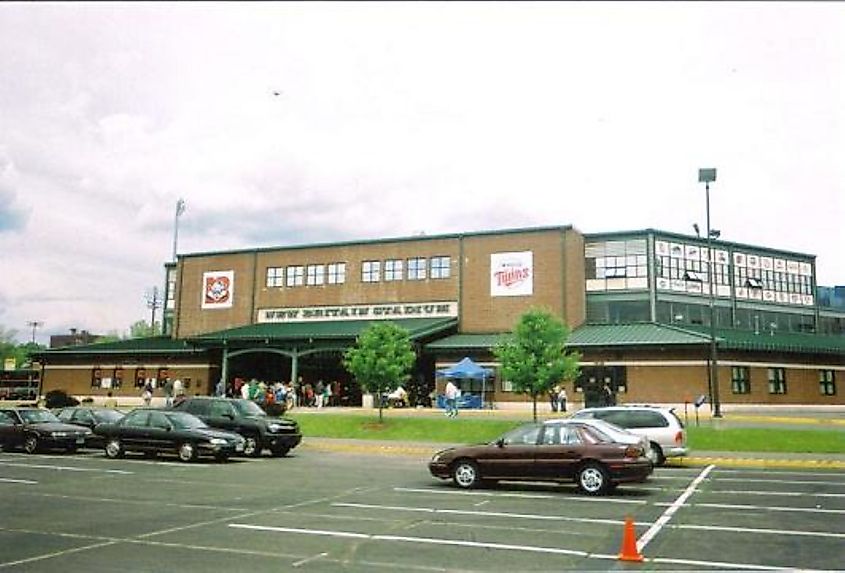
x: 147, y: 394
x: 168, y: 392
x: 561, y: 399
x: 452, y: 394
x: 318, y: 394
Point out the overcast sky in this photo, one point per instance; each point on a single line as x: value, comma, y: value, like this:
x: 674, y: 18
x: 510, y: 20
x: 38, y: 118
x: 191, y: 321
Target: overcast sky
x: 398, y: 118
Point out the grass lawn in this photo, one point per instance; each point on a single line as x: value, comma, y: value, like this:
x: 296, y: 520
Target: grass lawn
x: 472, y: 430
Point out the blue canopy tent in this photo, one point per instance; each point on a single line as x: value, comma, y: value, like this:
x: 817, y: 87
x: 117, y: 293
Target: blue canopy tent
x: 467, y: 369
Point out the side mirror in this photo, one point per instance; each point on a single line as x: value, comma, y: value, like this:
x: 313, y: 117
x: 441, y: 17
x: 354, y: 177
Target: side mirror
x: 500, y: 442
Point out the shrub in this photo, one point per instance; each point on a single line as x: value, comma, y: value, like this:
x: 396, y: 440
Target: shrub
x: 59, y: 399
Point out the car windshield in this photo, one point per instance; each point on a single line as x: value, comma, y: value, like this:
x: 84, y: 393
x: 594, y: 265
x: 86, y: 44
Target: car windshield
x: 107, y: 416
x: 184, y: 421
x: 38, y: 416
x: 248, y: 408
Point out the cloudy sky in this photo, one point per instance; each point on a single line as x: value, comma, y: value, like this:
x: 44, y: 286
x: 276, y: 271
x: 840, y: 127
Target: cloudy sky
x: 294, y: 123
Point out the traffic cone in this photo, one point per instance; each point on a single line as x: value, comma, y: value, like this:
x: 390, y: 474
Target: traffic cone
x: 629, y: 550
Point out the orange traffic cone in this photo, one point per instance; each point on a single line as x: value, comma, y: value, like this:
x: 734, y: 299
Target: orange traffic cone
x: 629, y: 550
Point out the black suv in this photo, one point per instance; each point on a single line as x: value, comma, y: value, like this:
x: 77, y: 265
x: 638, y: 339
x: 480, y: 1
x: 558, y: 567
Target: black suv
x: 279, y: 435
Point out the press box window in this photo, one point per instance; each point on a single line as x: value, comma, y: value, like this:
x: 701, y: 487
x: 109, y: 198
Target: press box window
x: 441, y: 267
x: 295, y: 276
x: 370, y: 271
x: 275, y: 277
x: 416, y: 269
x: 337, y: 273
x: 393, y: 270
x: 316, y: 275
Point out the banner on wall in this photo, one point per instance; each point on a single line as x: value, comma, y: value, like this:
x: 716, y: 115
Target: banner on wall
x: 217, y: 289
x: 512, y: 274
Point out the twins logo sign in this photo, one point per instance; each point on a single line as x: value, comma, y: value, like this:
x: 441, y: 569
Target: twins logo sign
x: 217, y: 289
x: 512, y: 274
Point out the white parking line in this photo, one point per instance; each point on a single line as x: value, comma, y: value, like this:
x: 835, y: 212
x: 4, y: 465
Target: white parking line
x: 534, y: 516
x: 519, y: 495
x: 759, y: 507
x: 670, y: 511
x: 758, y: 530
x: 425, y: 540
x: 10, y: 480
x: 769, y: 473
x: 775, y: 493
x: 64, y: 468
x: 783, y: 481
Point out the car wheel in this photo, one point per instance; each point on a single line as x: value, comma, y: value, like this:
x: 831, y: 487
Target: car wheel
x: 593, y: 479
x: 30, y: 444
x: 187, y: 452
x: 114, y: 449
x: 280, y: 451
x: 251, y: 447
x: 657, y: 458
x: 465, y: 474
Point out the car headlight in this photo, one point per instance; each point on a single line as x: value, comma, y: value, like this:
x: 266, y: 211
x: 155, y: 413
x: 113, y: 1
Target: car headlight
x: 218, y: 441
x: 438, y: 457
x: 273, y: 427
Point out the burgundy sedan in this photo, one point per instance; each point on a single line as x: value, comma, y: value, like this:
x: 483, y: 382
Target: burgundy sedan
x: 557, y: 450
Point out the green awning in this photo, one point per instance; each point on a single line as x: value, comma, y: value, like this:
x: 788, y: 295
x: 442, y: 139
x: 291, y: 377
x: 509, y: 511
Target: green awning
x: 804, y: 343
x: 318, y: 331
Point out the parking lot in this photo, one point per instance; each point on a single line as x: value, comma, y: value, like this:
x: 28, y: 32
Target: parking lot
x: 323, y: 510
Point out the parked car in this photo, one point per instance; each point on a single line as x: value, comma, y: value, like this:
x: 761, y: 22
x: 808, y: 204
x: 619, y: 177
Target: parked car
x: 90, y: 417
x: 663, y: 429
x: 279, y: 435
x: 556, y: 450
x: 35, y: 429
x: 155, y: 431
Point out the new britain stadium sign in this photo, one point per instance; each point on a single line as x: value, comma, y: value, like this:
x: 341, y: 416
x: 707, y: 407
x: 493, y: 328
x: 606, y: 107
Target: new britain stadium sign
x: 448, y: 309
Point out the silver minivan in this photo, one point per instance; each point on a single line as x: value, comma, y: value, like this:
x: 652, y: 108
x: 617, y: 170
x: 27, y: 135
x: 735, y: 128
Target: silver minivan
x: 659, y: 425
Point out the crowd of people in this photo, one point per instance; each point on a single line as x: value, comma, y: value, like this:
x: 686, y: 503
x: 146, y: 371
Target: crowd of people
x: 291, y: 394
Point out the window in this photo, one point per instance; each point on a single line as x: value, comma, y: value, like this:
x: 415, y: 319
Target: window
x: 777, y: 381
x: 740, y: 383
x: 275, y: 276
x: 295, y: 275
x: 441, y: 267
x: 416, y: 269
x: 370, y: 271
x: 393, y: 270
x: 337, y: 273
x: 827, y: 382
x: 316, y: 275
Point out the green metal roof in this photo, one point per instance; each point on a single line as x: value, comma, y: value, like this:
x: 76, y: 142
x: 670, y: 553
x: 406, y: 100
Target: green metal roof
x: 148, y: 345
x: 634, y: 334
x: 777, y: 342
x: 340, y: 329
x: 656, y: 334
x: 466, y: 341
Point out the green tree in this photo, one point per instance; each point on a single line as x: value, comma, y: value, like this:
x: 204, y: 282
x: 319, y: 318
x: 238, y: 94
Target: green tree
x: 381, y: 359
x: 142, y: 329
x: 534, y: 357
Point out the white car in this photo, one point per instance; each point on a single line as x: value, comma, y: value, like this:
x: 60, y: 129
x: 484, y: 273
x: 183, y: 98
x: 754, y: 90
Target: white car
x: 663, y: 429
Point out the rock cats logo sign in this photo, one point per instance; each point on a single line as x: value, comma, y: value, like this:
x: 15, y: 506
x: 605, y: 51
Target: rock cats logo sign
x: 217, y: 289
x: 512, y: 274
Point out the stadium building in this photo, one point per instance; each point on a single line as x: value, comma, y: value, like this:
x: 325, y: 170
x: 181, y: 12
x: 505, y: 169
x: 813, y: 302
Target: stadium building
x: 638, y: 304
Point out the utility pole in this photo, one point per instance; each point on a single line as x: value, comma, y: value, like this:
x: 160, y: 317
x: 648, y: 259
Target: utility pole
x: 154, y: 302
x: 34, y: 324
